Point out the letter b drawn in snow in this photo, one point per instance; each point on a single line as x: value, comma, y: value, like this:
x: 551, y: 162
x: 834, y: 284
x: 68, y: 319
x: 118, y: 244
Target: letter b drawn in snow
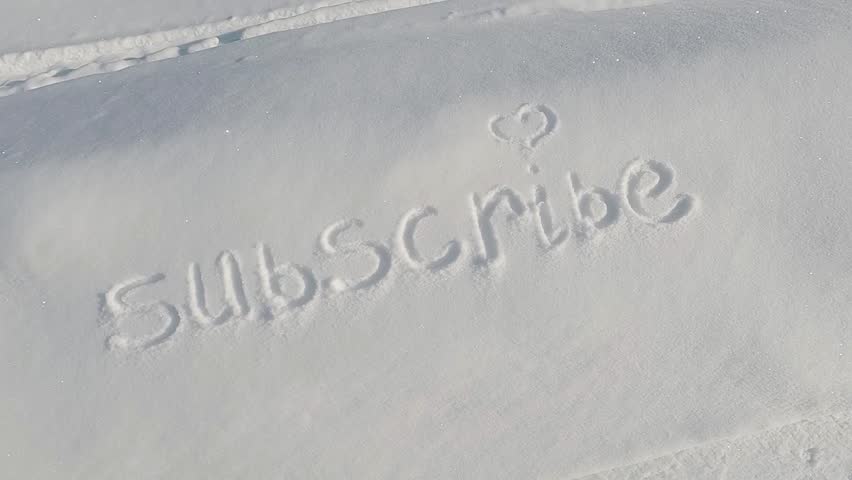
x: 590, y: 219
x: 272, y: 276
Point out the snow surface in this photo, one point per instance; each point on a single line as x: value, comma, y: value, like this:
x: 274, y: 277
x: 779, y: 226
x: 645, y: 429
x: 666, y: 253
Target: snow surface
x: 42, y: 23
x: 544, y: 239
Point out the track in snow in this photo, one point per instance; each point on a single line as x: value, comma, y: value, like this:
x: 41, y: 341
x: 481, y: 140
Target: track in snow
x: 33, y: 69
x: 38, y: 68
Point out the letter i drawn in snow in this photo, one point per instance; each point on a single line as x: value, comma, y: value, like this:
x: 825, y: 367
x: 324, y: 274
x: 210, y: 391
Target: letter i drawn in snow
x: 525, y: 129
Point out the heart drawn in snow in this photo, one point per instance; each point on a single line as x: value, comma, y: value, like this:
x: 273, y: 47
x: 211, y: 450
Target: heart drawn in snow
x: 527, y: 127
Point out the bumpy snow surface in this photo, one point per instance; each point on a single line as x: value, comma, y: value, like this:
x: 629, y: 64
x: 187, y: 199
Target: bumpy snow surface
x: 393, y: 239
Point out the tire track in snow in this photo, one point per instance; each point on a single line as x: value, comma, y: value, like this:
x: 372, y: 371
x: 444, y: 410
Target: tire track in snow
x: 22, y: 71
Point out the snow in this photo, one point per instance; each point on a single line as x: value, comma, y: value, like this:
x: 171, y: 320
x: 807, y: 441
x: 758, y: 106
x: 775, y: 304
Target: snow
x: 48, y: 23
x: 478, y: 239
x: 32, y: 69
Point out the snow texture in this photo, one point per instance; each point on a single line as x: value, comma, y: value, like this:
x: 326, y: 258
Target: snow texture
x: 426, y: 239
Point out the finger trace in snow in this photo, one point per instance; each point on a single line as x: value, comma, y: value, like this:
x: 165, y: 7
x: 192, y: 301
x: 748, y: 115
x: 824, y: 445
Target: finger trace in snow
x: 526, y: 127
x: 486, y: 254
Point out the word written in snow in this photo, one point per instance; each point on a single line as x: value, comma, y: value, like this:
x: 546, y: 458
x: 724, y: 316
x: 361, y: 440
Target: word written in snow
x: 593, y: 210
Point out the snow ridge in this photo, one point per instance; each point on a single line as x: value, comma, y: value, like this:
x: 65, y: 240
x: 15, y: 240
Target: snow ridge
x: 817, y: 447
x: 22, y: 71
x: 38, y: 68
